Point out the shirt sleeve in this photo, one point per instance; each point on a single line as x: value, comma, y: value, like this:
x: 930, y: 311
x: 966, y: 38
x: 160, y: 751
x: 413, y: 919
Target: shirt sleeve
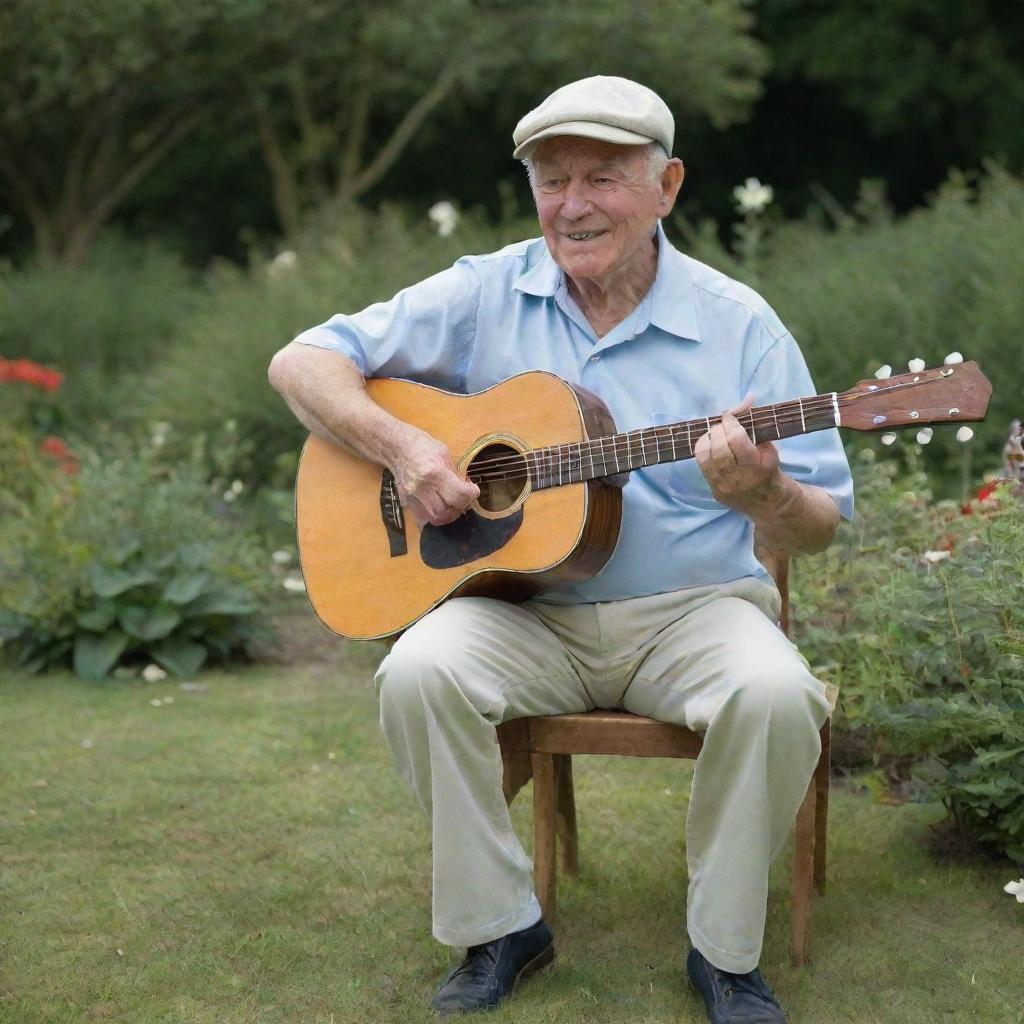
x: 781, y: 375
x: 425, y: 333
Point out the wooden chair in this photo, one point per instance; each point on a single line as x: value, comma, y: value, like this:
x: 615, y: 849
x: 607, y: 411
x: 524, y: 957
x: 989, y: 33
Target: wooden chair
x: 541, y: 748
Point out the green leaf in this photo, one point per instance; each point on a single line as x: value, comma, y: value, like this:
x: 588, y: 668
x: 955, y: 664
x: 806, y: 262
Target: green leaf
x: 99, y: 618
x: 222, y: 602
x: 196, y: 555
x: 149, y: 623
x: 12, y: 625
x: 95, y: 655
x: 112, y: 582
x: 185, y: 588
x: 180, y: 656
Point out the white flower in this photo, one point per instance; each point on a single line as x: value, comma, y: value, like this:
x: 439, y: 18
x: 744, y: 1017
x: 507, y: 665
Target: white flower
x: 953, y: 357
x: 924, y: 435
x: 935, y: 556
x: 229, y: 495
x: 168, y: 700
x: 157, y: 702
x: 915, y: 365
x: 888, y: 439
x: 281, y: 557
x: 153, y: 674
x: 1015, y: 889
x: 752, y: 196
x: 87, y: 743
x: 282, y: 263
x: 964, y: 434
x: 160, y: 432
x: 883, y: 371
x: 294, y: 584
x: 445, y: 217
x: 237, y: 486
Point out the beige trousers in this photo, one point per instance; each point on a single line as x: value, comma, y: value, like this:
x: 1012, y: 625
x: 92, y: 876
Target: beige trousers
x: 710, y: 658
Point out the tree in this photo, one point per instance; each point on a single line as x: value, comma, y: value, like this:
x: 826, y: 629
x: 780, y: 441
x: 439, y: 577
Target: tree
x: 93, y: 97
x: 349, y: 84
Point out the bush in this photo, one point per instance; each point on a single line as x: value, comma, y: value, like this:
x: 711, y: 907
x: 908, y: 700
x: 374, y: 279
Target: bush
x: 876, y: 290
x: 106, y: 324
x: 218, y: 370
x: 918, y: 613
x: 129, y: 560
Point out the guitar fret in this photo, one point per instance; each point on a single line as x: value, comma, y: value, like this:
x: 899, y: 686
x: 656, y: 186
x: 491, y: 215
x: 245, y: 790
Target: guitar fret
x: 803, y: 425
x: 778, y: 432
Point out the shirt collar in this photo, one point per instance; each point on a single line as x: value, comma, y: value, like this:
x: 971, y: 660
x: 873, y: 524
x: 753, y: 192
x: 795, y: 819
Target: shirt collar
x: 673, y: 305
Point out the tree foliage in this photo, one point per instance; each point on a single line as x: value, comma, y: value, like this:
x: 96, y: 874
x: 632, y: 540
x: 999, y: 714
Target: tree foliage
x: 331, y: 93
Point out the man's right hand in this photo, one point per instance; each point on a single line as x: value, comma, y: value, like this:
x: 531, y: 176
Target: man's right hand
x: 428, y: 485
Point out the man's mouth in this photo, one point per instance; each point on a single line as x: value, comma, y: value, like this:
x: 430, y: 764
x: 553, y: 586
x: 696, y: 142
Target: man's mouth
x: 583, y: 236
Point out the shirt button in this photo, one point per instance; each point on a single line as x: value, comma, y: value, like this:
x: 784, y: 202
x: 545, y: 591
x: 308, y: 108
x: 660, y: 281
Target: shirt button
x: 594, y: 359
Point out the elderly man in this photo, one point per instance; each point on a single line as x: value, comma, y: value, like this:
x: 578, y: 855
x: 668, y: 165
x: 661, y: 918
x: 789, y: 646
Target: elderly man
x: 680, y: 625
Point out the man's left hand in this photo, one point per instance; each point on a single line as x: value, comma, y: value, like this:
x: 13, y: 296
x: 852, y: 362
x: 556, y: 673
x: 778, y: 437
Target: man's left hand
x: 740, y: 473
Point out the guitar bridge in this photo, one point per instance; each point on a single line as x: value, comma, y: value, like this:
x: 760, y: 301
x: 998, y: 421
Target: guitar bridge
x: 392, y: 515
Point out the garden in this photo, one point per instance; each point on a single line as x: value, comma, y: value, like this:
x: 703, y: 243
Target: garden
x: 199, y: 820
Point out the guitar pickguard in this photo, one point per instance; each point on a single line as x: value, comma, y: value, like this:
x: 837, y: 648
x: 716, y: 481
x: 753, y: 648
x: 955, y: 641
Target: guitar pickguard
x: 470, y: 537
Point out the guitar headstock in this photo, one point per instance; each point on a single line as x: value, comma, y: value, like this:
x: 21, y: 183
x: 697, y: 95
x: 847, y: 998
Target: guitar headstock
x: 946, y: 394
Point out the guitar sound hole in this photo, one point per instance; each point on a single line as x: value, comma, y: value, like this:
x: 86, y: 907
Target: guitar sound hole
x: 501, y: 474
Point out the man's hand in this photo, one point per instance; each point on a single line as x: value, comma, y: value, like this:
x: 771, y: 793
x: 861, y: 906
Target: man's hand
x: 428, y: 485
x: 740, y: 473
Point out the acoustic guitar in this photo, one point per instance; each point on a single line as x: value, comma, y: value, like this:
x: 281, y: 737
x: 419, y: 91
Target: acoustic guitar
x: 549, y: 464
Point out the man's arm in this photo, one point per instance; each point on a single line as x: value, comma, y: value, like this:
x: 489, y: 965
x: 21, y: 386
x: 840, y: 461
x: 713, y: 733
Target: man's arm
x: 326, y: 392
x: 788, y: 516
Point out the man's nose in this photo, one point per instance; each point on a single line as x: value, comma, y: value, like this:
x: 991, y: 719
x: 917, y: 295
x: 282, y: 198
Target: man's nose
x: 576, y: 203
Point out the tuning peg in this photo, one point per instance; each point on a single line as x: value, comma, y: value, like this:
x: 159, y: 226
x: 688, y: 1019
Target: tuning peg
x: 915, y: 365
x: 888, y: 439
x: 953, y: 357
x: 883, y: 371
x: 924, y: 435
x: 964, y: 434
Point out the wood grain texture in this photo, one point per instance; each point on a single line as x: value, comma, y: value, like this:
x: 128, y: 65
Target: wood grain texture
x: 360, y: 591
x: 803, y: 876
x: 544, y: 828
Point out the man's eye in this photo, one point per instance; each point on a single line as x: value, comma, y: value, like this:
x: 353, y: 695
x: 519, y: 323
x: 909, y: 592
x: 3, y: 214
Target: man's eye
x: 551, y: 184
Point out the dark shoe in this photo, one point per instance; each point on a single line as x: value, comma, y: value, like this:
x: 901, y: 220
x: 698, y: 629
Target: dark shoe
x: 492, y: 970
x: 733, y: 998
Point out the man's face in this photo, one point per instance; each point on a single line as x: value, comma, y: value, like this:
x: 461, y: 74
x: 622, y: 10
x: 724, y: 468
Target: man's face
x: 597, y: 205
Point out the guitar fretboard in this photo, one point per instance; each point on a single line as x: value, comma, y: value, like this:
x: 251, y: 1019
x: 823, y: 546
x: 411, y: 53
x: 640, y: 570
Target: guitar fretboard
x: 621, y: 453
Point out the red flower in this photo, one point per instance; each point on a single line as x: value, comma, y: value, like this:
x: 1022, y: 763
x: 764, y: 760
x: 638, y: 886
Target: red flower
x: 56, y: 447
x: 30, y: 373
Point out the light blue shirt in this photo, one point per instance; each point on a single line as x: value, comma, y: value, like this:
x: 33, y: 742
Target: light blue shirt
x: 693, y: 347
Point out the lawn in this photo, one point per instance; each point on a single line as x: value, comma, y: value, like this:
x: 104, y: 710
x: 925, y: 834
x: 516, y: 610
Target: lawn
x: 247, y: 853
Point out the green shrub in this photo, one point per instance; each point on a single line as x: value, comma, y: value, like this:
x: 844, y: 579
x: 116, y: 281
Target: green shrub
x: 104, y: 324
x: 917, y: 612
x: 218, y: 370
x: 128, y: 560
x: 877, y: 290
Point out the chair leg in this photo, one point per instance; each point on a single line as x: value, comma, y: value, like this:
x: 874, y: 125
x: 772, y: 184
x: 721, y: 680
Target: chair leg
x: 544, y: 877
x: 566, y: 814
x: 821, y: 782
x: 803, y: 875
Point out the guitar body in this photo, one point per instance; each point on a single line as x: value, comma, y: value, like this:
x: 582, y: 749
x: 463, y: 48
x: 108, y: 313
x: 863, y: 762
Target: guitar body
x: 370, y: 572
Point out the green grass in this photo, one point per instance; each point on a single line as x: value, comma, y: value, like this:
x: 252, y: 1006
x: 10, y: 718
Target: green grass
x: 209, y: 861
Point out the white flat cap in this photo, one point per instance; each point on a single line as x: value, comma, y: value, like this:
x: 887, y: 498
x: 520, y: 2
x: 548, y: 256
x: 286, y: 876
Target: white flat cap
x: 603, y: 107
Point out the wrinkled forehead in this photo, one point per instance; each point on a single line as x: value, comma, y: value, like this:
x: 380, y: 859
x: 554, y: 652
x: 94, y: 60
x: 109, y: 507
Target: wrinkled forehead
x: 570, y: 152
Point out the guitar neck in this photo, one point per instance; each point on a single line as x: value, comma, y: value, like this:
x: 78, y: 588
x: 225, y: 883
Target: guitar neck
x: 672, y: 442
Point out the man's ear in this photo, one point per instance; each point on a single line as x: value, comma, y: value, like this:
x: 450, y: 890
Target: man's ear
x: 671, y: 182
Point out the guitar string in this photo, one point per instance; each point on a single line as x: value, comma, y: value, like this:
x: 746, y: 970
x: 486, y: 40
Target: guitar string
x: 629, y: 442
x: 556, y: 459
x: 794, y: 406
x: 629, y: 437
